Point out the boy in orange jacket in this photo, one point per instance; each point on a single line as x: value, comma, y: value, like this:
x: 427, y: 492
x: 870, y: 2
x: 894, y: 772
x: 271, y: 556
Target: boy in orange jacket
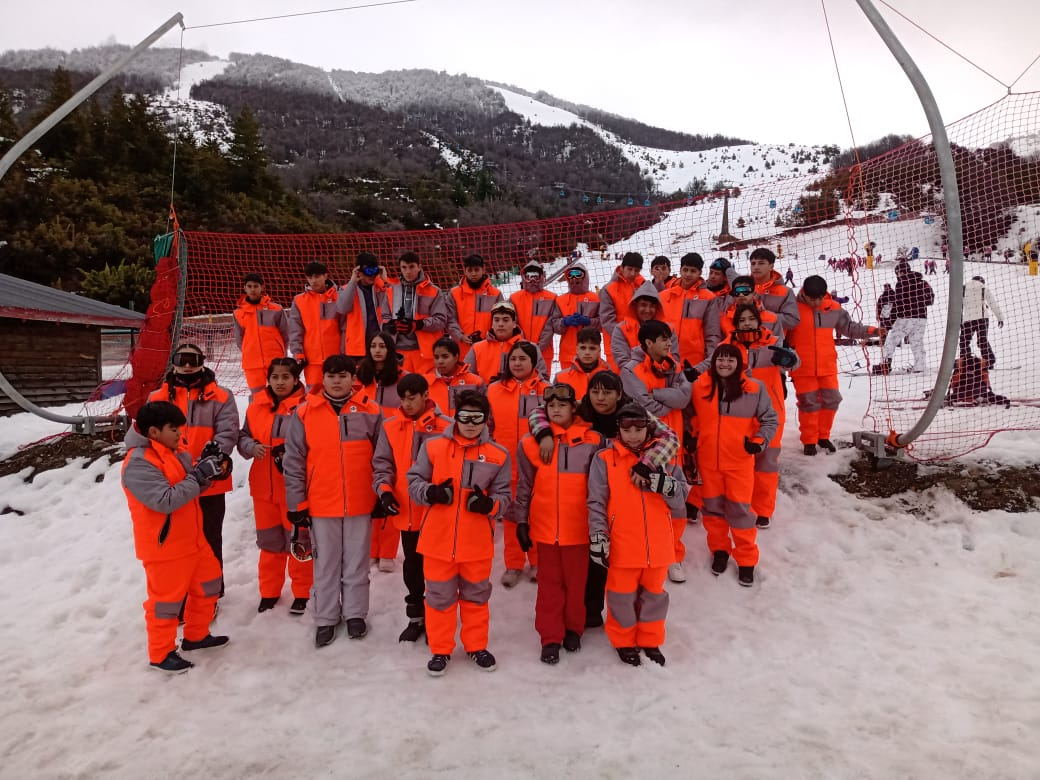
x: 261, y: 331
x: 816, y: 379
x: 162, y: 491
x: 400, y: 438
x: 463, y: 477
x: 552, y: 512
x: 328, y: 489
x: 630, y: 533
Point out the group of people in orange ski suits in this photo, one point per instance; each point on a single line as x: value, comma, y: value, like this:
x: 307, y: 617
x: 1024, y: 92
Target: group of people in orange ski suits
x: 389, y: 413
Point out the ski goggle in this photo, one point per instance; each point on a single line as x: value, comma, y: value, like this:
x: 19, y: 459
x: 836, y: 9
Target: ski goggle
x: 470, y: 418
x: 532, y: 276
x: 370, y: 270
x: 559, y: 393
x: 629, y: 423
x: 742, y: 290
x: 575, y: 273
x: 182, y: 359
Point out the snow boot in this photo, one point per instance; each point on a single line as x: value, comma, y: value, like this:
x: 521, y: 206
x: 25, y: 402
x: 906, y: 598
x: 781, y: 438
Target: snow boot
x: 746, y: 576
x: 267, y: 604
x: 629, y: 655
x: 654, y: 654
x: 572, y: 641
x: 172, y: 664
x: 827, y: 444
x: 412, y: 631
x: 809, y: 449
x: 719, y: 562
x: 761, y: 522
x: 356, y: 628
x: 551, y: 653
x: 208, y: 642
x: 510, y: 577
x: 325, y: 635
x: 299, y: 606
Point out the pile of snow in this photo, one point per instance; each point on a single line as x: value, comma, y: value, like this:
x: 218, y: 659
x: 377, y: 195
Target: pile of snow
x: 204, y: 120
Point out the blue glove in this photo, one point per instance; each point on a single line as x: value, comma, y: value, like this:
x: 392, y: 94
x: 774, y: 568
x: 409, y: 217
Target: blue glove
x: 572, y: 320
x: 583, y: 319
x: 784, y: 357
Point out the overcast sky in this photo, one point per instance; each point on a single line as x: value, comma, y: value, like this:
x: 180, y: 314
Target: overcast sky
x: 757, y: 69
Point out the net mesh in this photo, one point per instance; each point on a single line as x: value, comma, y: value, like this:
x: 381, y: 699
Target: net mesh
x: 853, y: 227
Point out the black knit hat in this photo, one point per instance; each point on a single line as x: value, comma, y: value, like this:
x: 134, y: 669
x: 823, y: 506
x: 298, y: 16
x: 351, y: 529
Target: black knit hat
x: 633, y: 411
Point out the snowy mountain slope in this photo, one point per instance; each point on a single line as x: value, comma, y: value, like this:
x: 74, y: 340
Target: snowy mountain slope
x: 671, y: 171
x: 203, y: 119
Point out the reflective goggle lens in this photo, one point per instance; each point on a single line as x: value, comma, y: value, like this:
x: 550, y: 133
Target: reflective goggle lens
x: 630, y: 423
x: 742, y: 290
x: 559, y: 393
x: 182, y: 359
x: 370, y: 270
x: 575, y: 273
x: 470, y: 418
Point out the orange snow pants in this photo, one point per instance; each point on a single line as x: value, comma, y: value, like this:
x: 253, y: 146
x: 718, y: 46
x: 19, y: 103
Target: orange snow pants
x: 457, y: 589
x: 196, y: 576
x: 272, y: 537
x: 818, y: 400
x: 728, y: 513
x: 637, y: 605
x: 385, y: 538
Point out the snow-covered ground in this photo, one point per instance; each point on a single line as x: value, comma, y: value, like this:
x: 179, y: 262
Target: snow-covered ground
x: 877, y: 642
x: 737, y: 165
x: 883, y: 638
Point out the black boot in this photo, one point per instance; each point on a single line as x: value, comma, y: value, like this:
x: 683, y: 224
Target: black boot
x: 629, y: 655
x: 654, y: 654
x: 746, y: 576
x: 551, y: 653
x: 572, y: 641
x: 719, y: 562
x: 809, y: 449
x: 827, y: 444
x: 412, y: 631
x: 884, y: 367
x: 325, y: 635
x: 266, y: 604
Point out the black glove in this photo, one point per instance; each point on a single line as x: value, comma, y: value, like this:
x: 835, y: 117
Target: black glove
x: 475, y: 336
x: 523, y: 536
x: 302, y: 363
x: 390, y: 505
x: 642, y: 470
x: 277, y: 453
x: 689, y: 442
x: 689, y: 371
x: 751, y: 447
x: 207, y: 470
x: 212, y: 450
x: 301, y: 518
x: 439, y: 494
x: 480, y: 502
x: 784, y: 357
x: 404, y: 327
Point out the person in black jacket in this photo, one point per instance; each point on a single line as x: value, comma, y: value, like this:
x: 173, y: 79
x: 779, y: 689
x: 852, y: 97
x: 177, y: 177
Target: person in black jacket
x: 913, y: 296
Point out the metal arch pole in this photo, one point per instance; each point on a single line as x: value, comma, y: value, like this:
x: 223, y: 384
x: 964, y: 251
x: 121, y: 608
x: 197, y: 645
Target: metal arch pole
x: 951, y: 198
x: 34, y: 135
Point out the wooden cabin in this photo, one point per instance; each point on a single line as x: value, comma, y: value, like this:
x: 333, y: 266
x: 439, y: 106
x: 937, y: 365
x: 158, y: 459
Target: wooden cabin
x: 50, y: 342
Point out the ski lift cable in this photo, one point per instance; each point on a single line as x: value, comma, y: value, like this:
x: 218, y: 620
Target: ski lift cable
x: 946, y: 45
x: 300, y: 13
x: 1020, y: 75
x: 177, y: 128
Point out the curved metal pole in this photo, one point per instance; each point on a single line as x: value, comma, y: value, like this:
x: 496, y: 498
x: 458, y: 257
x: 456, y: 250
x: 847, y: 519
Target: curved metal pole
x: 84, y: 423
x: 954, y: 235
